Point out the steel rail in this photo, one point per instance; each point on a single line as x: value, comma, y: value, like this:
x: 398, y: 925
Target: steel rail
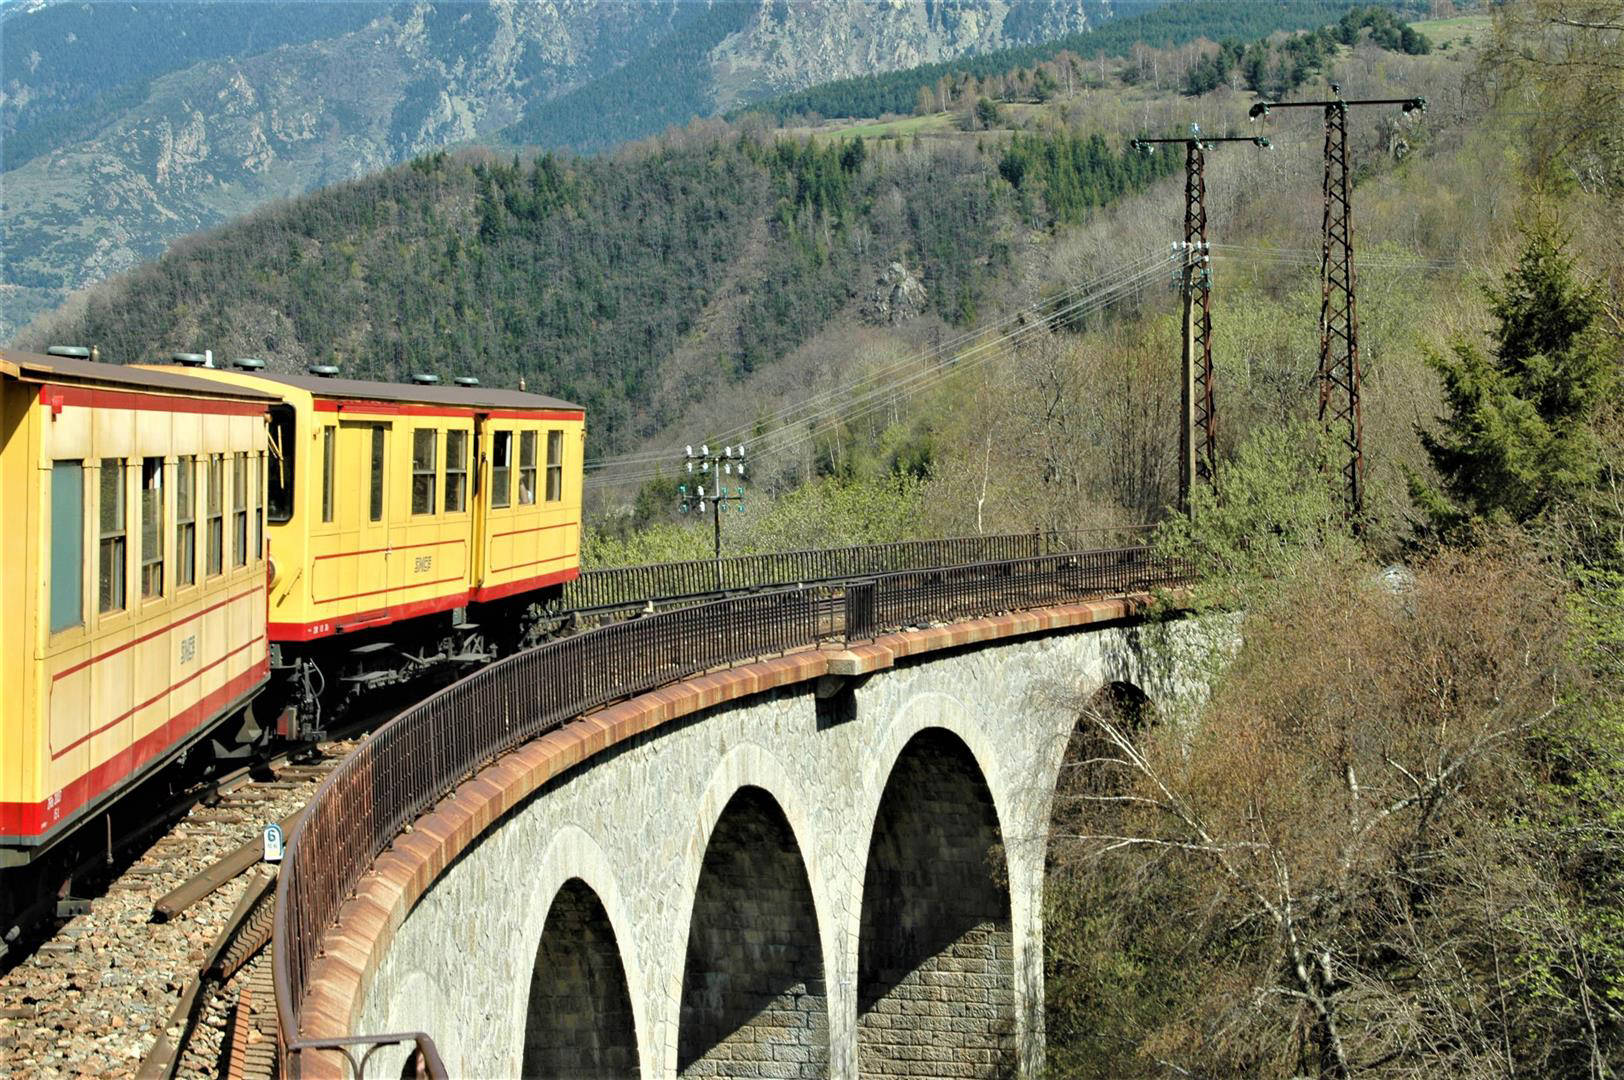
x: 420, y: 756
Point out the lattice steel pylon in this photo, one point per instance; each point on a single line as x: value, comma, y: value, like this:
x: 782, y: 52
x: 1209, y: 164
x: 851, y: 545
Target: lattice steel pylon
x: 1203, y: 431
x: 1339, y: 409
x: 1198, y: 431
x: 1339, y: 375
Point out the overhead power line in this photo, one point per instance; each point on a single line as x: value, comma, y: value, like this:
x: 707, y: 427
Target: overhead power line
x: 910, y: 375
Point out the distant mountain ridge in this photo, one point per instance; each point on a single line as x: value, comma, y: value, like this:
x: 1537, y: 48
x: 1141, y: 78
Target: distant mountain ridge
x: 124, y: 127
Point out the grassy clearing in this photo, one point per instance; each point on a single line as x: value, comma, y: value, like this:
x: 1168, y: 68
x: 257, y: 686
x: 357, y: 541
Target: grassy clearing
x: 932, y: 124
x: 1455, y: 31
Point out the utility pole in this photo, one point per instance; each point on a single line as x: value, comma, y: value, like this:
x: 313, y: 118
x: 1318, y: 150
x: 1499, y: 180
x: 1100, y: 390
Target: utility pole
x: 1198, y: 426
x: 716, y: 466
x: 1339, y: 377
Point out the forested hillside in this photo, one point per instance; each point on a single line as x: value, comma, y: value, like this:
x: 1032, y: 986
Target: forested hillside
x: 1390, y: 844
x: 583, y: 276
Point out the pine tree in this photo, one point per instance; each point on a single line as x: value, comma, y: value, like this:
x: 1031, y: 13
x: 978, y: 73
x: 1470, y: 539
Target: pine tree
x: 1519, y: 436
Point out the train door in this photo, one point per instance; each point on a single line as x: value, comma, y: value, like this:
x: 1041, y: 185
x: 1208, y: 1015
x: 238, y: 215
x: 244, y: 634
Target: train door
x: 496, y: 449
x: 477, y: 548
x: 364, y: 458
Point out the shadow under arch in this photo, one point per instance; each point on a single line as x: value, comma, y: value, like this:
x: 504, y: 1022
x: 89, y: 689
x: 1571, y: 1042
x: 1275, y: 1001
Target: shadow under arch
x: 936, y: 980
x: 1087, y: 768
x: 753, y: 981
x: 579, y: 1023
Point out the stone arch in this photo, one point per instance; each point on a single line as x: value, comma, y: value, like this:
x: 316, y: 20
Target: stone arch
x: 753, y: 986
x: 572, y: 860
x: 579, y: 1024
x: 936, y: 978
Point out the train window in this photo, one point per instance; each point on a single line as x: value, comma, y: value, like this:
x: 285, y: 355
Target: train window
x: 456, y: 471
x: 111, y: 597
x: 425, y: 441
x: 152, y: 526
x: 186, y: 521
x: 329, y: 449
x: 239, y: 509
x: 260, y: 461
x: 67, y: 544
x: 376, y: 512
x: 216, y: 508
x: 283, y: 450
x: 555, y: 466
x: 501, y: 468
x: 527, y: 468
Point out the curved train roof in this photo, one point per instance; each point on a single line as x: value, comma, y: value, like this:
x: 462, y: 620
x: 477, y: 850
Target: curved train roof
x: 34, y: 367
x: 464, y: 397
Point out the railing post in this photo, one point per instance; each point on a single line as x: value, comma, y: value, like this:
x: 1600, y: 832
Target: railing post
x: 859, y: 615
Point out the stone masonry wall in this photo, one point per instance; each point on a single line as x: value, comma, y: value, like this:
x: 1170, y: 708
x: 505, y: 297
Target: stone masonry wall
x: 753, y: 1001
x: 935, y: 992
x: 579, y: 1022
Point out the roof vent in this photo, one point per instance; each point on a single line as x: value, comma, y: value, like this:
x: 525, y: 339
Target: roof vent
x: 326, y: 371
x: 423, y: 378
x: 466, y: 380
x: 71, y: 352
x: 188, y: 359
x: 249, y: 363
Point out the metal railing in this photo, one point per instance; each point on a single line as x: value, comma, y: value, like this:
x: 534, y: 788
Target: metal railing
x: 615, y: 587
x: 420, y: 756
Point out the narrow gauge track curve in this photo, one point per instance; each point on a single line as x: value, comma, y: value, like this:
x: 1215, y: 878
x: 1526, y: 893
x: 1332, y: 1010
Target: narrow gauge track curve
x: 94, y: 997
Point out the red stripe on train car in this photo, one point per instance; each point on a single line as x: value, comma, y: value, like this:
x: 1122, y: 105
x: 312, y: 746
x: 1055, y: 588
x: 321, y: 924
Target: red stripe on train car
x: 537, y: 529
x: 132, y: 643
x: 388, y: 589
x: 388, y: 408
x: 497, y: 592
x: 533, y: 414
x: 398, y: 547
x: 58, y: 394
x: 292, y: 631
x: 35, y: 820
x: 396, y: 408
x: 532, y: 562
x: 154, y: 699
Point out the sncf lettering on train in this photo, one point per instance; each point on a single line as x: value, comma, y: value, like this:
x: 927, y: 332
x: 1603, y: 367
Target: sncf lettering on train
x: 188, y: 649
x: 421, y: 566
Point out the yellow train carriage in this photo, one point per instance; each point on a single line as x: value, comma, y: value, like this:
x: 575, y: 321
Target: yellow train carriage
x: 391, y: 502
x: 133, y: 579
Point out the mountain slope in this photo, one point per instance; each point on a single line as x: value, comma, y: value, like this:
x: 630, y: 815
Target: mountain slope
x: 211, y: 139
x: 127, y: 126
x: 587, y: 276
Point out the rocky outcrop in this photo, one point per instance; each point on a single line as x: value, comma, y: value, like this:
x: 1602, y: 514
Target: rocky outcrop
x: 790, y: 46
x: 897, y: 296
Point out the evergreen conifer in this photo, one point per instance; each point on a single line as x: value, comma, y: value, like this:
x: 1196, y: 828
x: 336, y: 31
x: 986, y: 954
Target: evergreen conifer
x: 1519, y: 437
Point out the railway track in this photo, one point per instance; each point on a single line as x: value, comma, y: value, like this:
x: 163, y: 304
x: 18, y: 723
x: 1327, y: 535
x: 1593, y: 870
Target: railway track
x: 100, y: 993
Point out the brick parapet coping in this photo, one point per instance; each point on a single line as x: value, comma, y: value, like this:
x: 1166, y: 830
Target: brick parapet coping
x: 353, y: 948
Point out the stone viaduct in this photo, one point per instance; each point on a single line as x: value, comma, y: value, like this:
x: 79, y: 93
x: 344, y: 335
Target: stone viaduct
x: 825, y: 864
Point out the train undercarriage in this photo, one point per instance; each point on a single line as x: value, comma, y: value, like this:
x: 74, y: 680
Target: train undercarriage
x: 318, y: 683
